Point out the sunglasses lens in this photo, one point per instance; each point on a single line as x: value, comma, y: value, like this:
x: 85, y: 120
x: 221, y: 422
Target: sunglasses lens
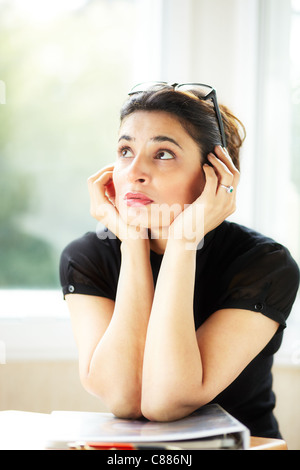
x: 202, y: 90
x: 147, y: 86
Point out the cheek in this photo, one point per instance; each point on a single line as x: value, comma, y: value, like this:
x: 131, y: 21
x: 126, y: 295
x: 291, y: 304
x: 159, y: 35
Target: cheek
x: 187, y: 189
x: 197, y: 185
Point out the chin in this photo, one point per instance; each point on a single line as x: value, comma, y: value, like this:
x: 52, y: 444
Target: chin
x: 156, y: 217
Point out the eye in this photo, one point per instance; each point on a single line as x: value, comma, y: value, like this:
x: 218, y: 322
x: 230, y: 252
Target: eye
x: 125, y: 152
x: 165, y: 155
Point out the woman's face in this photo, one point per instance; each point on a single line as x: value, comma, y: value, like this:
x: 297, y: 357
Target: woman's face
x: 158, y: 169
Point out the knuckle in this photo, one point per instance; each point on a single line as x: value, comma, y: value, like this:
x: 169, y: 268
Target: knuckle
x: 236, y: 174
x: 91, y: 179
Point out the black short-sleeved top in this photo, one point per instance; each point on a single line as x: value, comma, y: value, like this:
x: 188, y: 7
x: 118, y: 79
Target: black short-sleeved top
x: 236, y: 268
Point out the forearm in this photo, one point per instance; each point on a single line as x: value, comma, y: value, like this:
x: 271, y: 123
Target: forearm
x: 116, y: 365
x: 172, y: 364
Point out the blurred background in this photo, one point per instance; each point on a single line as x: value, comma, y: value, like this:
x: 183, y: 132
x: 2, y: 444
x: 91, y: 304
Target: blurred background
x: 65, y: 69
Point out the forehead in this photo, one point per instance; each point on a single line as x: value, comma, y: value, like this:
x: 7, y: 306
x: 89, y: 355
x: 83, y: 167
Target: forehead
x: 143, y: 123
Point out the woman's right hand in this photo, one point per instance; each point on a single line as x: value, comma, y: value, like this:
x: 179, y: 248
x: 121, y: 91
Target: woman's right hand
x: 103, y: 208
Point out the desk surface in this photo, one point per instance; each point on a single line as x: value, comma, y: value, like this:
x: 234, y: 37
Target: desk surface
x: 262, y: 443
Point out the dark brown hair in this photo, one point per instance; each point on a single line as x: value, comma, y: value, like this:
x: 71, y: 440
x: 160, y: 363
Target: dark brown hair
x: 197, y: 116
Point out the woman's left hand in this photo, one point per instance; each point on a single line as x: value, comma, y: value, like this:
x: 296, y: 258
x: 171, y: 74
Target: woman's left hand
x: 216, y: 202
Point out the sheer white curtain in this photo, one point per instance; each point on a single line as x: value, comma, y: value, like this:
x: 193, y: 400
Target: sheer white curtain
x: 212, y: 42
x: 243, y: 49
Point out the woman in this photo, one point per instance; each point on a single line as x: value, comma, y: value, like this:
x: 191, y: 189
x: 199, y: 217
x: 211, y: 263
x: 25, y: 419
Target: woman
x: 172, y: 306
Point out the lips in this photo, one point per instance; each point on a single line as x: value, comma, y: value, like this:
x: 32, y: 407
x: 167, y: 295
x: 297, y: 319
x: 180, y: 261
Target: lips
x: 137, y: 199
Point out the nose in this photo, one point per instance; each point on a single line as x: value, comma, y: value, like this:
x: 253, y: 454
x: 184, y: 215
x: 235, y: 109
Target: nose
x: 138, y: 170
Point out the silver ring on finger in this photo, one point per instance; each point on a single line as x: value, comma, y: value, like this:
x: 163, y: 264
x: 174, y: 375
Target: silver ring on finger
x: 229, y: 189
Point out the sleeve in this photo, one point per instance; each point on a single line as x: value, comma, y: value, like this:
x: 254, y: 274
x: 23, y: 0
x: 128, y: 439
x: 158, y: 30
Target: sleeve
x: 264, y: 280
x: 84, y: 269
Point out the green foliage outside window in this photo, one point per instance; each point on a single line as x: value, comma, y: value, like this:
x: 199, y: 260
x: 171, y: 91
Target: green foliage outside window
x: 64, y: 79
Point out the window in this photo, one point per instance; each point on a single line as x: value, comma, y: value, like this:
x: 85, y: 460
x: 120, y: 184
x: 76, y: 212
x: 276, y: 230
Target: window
x: 295, y: 105
x: 65, y: 67
x: 295, y: 164
x: 277, y: 191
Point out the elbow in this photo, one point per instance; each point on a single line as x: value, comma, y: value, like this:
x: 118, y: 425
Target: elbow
x: 159, y: 413
x: 168, y: 412
x: 121, y: 404
x: 126, y: 410
x: 169, y: 408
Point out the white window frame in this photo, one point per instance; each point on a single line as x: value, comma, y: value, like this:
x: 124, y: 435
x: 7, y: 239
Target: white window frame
x: 275, y: 199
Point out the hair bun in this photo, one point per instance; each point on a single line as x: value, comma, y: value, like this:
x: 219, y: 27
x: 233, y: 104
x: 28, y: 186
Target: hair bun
x: 235, y: 133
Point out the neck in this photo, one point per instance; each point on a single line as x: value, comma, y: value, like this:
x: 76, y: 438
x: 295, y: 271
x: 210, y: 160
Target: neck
x: 158, y: 240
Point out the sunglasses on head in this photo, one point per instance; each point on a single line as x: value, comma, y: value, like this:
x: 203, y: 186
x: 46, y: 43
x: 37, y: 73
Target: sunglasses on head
x: 204, y: 92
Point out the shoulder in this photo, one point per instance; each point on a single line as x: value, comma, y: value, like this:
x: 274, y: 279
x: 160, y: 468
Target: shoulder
x: 240, y: 244
x: 83, y: 242
x: 233, y: 234
x: 91, y: 245
x: 256, y: 271
x: 90, y: 265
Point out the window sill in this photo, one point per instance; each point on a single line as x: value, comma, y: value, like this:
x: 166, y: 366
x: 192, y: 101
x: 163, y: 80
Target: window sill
x: 35, y: 325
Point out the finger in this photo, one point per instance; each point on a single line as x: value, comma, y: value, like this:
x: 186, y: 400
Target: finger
x: 211, y: 178
x: 224, y: 174
x: 97, y: 175
x: 104, y: 172
x: 226, y: 180
x: 105, y: 178
x: 97, y: 188
x: 223, y: 155
x: 100, y: 207
x: 105, y: 181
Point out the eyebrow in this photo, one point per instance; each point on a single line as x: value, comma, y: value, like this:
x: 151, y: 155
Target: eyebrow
x: 158, y: 138
x: 126, y: 137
